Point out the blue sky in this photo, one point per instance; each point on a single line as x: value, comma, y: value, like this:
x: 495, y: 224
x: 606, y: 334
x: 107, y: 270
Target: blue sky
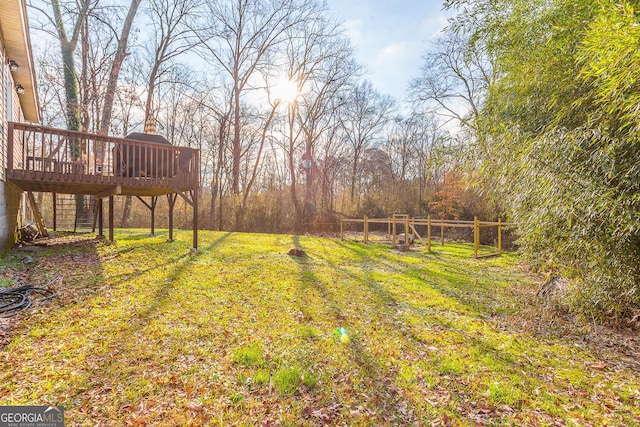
x: 390, y: 37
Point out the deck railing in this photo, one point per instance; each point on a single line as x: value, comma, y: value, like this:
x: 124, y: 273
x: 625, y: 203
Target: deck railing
x: 41, y: 153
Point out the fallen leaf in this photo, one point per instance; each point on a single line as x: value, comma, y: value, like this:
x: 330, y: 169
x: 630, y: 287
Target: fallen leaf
x: 195, y: 406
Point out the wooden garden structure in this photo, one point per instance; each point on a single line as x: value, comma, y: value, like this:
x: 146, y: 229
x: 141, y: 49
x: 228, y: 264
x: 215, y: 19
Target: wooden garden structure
x: 410, y: 224
x: 67, y: 162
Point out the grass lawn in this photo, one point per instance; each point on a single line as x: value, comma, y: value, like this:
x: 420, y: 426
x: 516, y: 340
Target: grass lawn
x: 143, y: 332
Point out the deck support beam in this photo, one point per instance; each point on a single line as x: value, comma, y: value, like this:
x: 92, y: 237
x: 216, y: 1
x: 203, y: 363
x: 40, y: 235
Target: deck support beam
x: 100, y: 218
x: 36, y: 214
x: 55, y: 212
x: 115, y: 190
x: 154, y: 201
x: 191, y: 198
x: 194, y: 197
x: 111, y: 219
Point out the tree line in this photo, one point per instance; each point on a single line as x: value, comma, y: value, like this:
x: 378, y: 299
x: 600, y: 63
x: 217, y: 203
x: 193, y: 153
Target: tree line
x: 212, y: 74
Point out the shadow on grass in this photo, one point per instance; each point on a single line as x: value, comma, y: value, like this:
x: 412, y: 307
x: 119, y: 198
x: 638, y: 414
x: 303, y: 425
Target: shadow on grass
x: 380, y: 379
x: 118, y: 352
x: 162, y: 294
x: 459, y: 324
x: 188, y: 256
x: 433, y: 272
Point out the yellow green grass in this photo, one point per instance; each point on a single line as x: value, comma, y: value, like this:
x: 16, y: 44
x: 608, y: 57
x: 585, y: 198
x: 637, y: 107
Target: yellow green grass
x: 240, y: 333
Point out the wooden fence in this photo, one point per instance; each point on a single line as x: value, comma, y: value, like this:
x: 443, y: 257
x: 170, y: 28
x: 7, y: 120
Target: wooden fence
x: 410, y: 225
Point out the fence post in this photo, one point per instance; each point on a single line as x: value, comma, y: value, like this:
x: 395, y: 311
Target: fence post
x: 394, y: 230
x: 476, y: 236
x: 406, y: 232
x: 388, y: 229
x: 499, y: 236
x: 413, y: 227
x: 429, y: 232
x: 341, y: 230
x: 442, y: 232
x: 366, y: 230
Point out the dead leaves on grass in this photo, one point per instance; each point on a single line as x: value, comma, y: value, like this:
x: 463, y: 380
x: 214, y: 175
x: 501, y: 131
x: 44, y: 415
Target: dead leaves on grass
x: 178, y: 364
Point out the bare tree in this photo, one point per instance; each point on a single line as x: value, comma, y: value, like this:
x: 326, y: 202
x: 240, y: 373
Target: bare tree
x: 51, y: 99
x: 75, y: 16
x: 118, y: 58
x: 412, y: 146
x: 93, y: 24
x: 454, y: 80
x: 242, y: 41
x: 127, y: 107
x: 173, y: 35
x: 365, y: 117
x: 320, y: 60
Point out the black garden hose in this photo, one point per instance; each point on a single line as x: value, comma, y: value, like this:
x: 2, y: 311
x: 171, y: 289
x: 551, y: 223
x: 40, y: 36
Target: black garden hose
x: 15, y: 299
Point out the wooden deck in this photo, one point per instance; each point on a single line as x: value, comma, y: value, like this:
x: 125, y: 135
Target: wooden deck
x: 61, y: 161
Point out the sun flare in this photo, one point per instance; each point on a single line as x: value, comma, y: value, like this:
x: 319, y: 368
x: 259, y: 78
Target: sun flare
x: 285, y: 90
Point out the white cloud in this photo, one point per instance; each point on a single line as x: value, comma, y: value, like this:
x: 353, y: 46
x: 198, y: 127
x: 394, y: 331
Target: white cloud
x: 390, y: 37
x: 392, y: 51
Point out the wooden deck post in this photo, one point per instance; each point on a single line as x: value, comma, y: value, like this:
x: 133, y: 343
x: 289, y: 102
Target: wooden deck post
x: 413, y: 228
x: 100, y: 218
x: 499, y: 236
x: 10, y: 147
x: 36, y: 214
x: 55, y: 211
x: 429, y: 232
x: 111, y: 219
x: 194, y: 196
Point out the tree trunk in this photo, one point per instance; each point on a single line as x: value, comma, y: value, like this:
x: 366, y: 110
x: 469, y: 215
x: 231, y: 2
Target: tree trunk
x: 354, y: 170
x: 220, y: 211
x: 236, y: 144
x: 121, y: 54
x: 126, y: 211
x: 71, y: 90
x: 294, y: 195
x: 214, y: 196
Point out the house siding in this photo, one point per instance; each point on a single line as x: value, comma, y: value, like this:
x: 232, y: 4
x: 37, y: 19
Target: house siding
x: 10, y: 202
x: 10, y: 195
